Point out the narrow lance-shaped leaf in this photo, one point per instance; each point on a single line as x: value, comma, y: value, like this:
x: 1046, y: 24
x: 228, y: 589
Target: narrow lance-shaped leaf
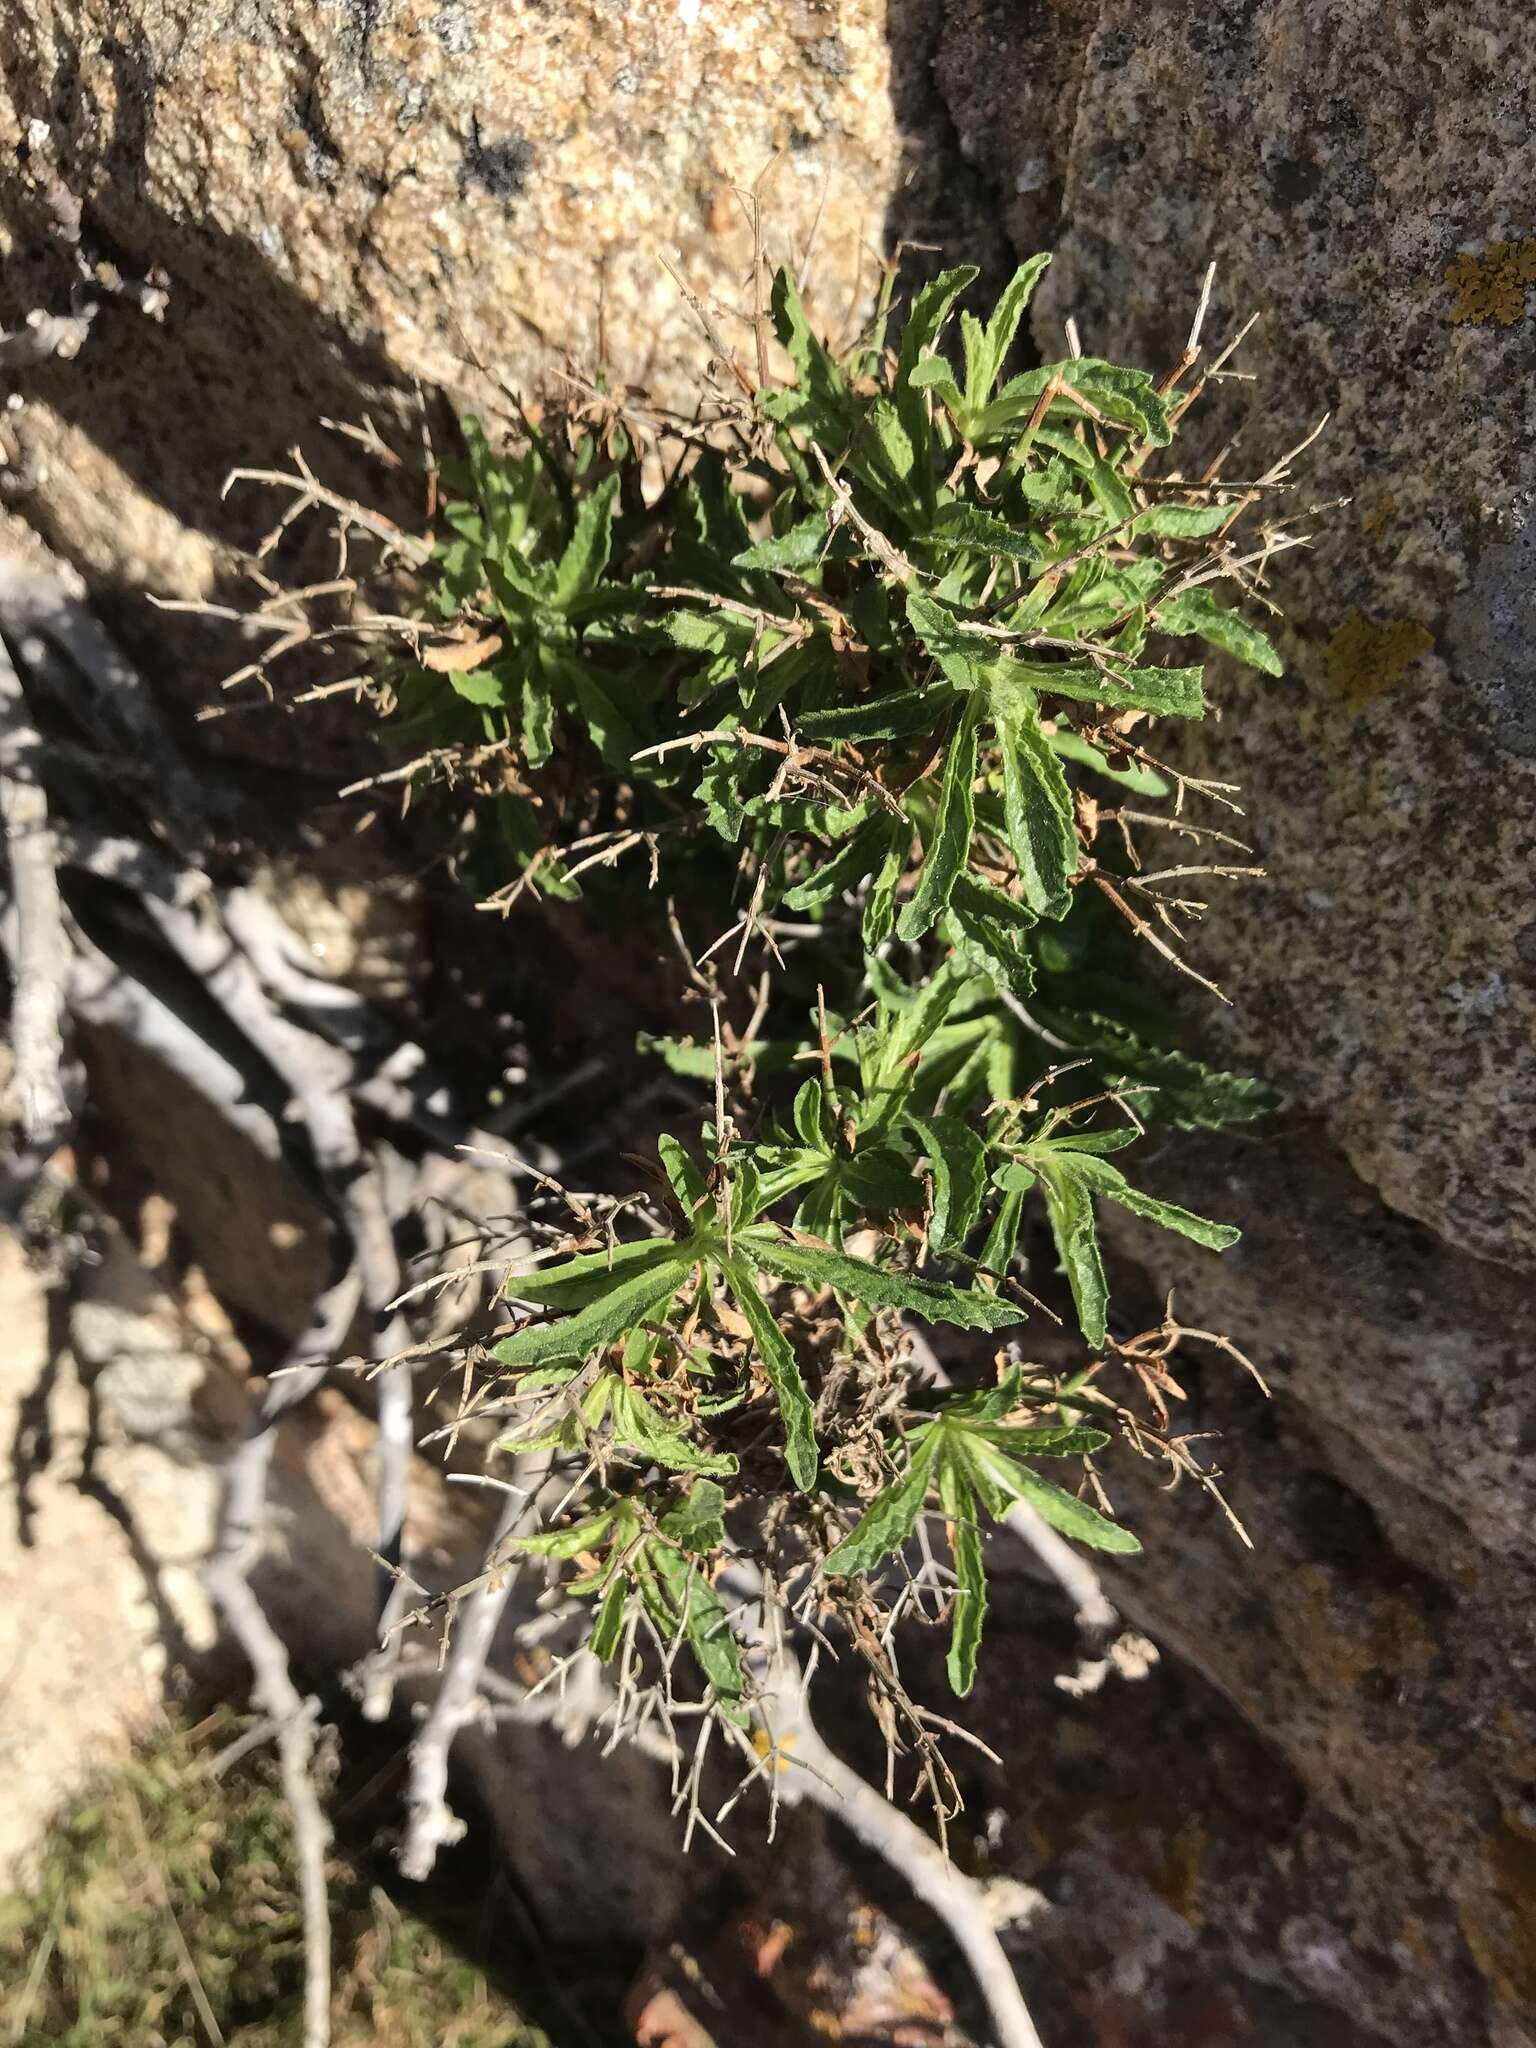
x: 1004, y: 325
x: 1107, y: 1181
x: 575, y: 1282
x: 958, y: 1164
x: 818, y: 404
x: 1070, y: 1209
x: 959, y: 654
x: 1072, y: 1517
x: 843, y: 869
x: 798, y: 548
x: 1166, y: 692
x: 970, y: 1595
x: 861, y: 1281
x: 698, y: 1613
x: 879, y: 919
x: 584, y: 560
x: 1182, y: 522
x: 685, y: 1177
x: 608, y: 1623
x: 930, y: 309
x: 949, y: 849
x: 602, y: 1322
x: 890, y: 1517
x: 1037, y: 812
x: 1196, y: 611
x: 783, y: 1370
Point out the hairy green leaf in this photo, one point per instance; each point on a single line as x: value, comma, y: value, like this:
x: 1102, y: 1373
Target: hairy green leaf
x: 1196, y: 611
x: 585, y: 559
x: 859, y: 1280
x: 970, y: 1596
x: 945, y: 856
x: 611, y: 1316
x: 890, y: 1517
x: 783, y: 1370
x: 1037, y: 811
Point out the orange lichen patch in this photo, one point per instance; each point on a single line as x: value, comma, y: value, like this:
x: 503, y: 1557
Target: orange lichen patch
x: 1517, y: 1740
x: 1381, y: 515
x: 1490, y: 289
x: 1366, y: 656
x: 1504, y: 1944
x: 1413, y: 1938
x: 1176, y: 1880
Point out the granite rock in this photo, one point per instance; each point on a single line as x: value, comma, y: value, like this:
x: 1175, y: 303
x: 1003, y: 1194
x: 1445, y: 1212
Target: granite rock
x: 1358, y: 175
x: 348, y: 196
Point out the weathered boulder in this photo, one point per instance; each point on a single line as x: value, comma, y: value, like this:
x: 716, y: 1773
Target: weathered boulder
x: 347, y: 195
x: 1358, y: 174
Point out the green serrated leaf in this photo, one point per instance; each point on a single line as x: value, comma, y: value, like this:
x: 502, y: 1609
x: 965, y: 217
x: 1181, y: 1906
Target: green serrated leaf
x: 783, y: 1370
x: 949, y: 849
x: 1167, y: 692
x: 809, y: 1115
x: 879, y: 919
x: 1070, y: 1210
x: 687, y: 1181
x: 879, y: 1286
x: 929, y: 311
x: 959, y: 654
x: 1071, y: 1517
x: 935, y: 375
x: 1105, y: 1180
x: 820, y: 402
x: 1004, y: 325
x: 573, y: 1539
x: 1197, y: 612
x: 586, y: 557
x: 1071, y: 746
x: 576, y: 1282
x: 637, y: 1426
x: 697, y: 1523
x: 890, y: 1517
x: 798, y: 548
x: 1003, y: 1237
x: 608, y: 1622
x: 624, y: 1305
x: 1037, y: 812
x: 846, y: 868
x: 478, y: 686
x: 970, y: 1597
x: 969, y: 527
x: 957, y: 1160
x: 892, y: 717
x: 1181, y: 522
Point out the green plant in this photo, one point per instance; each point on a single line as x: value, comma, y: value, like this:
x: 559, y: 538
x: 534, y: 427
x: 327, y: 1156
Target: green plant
x: 879, y: 646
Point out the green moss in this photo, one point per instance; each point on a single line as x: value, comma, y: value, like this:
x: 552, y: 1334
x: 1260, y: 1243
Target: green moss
x: 166, y: 1898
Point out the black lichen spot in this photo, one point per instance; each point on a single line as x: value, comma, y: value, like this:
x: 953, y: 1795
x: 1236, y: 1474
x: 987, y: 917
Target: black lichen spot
x: 1114, y: 49
x: 500, y: 168
x: 1292, y: 180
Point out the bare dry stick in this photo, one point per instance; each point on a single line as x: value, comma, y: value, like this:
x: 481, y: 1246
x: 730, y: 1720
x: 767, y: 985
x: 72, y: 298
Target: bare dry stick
x: 40, y: 963
x: 811, y: 1770
x: 432, y: 1824
x: 278, y: 1696
x: 110, y: 698
x: 308, y: 492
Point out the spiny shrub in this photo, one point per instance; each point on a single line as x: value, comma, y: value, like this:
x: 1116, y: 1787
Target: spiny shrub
x: 883, y: 639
